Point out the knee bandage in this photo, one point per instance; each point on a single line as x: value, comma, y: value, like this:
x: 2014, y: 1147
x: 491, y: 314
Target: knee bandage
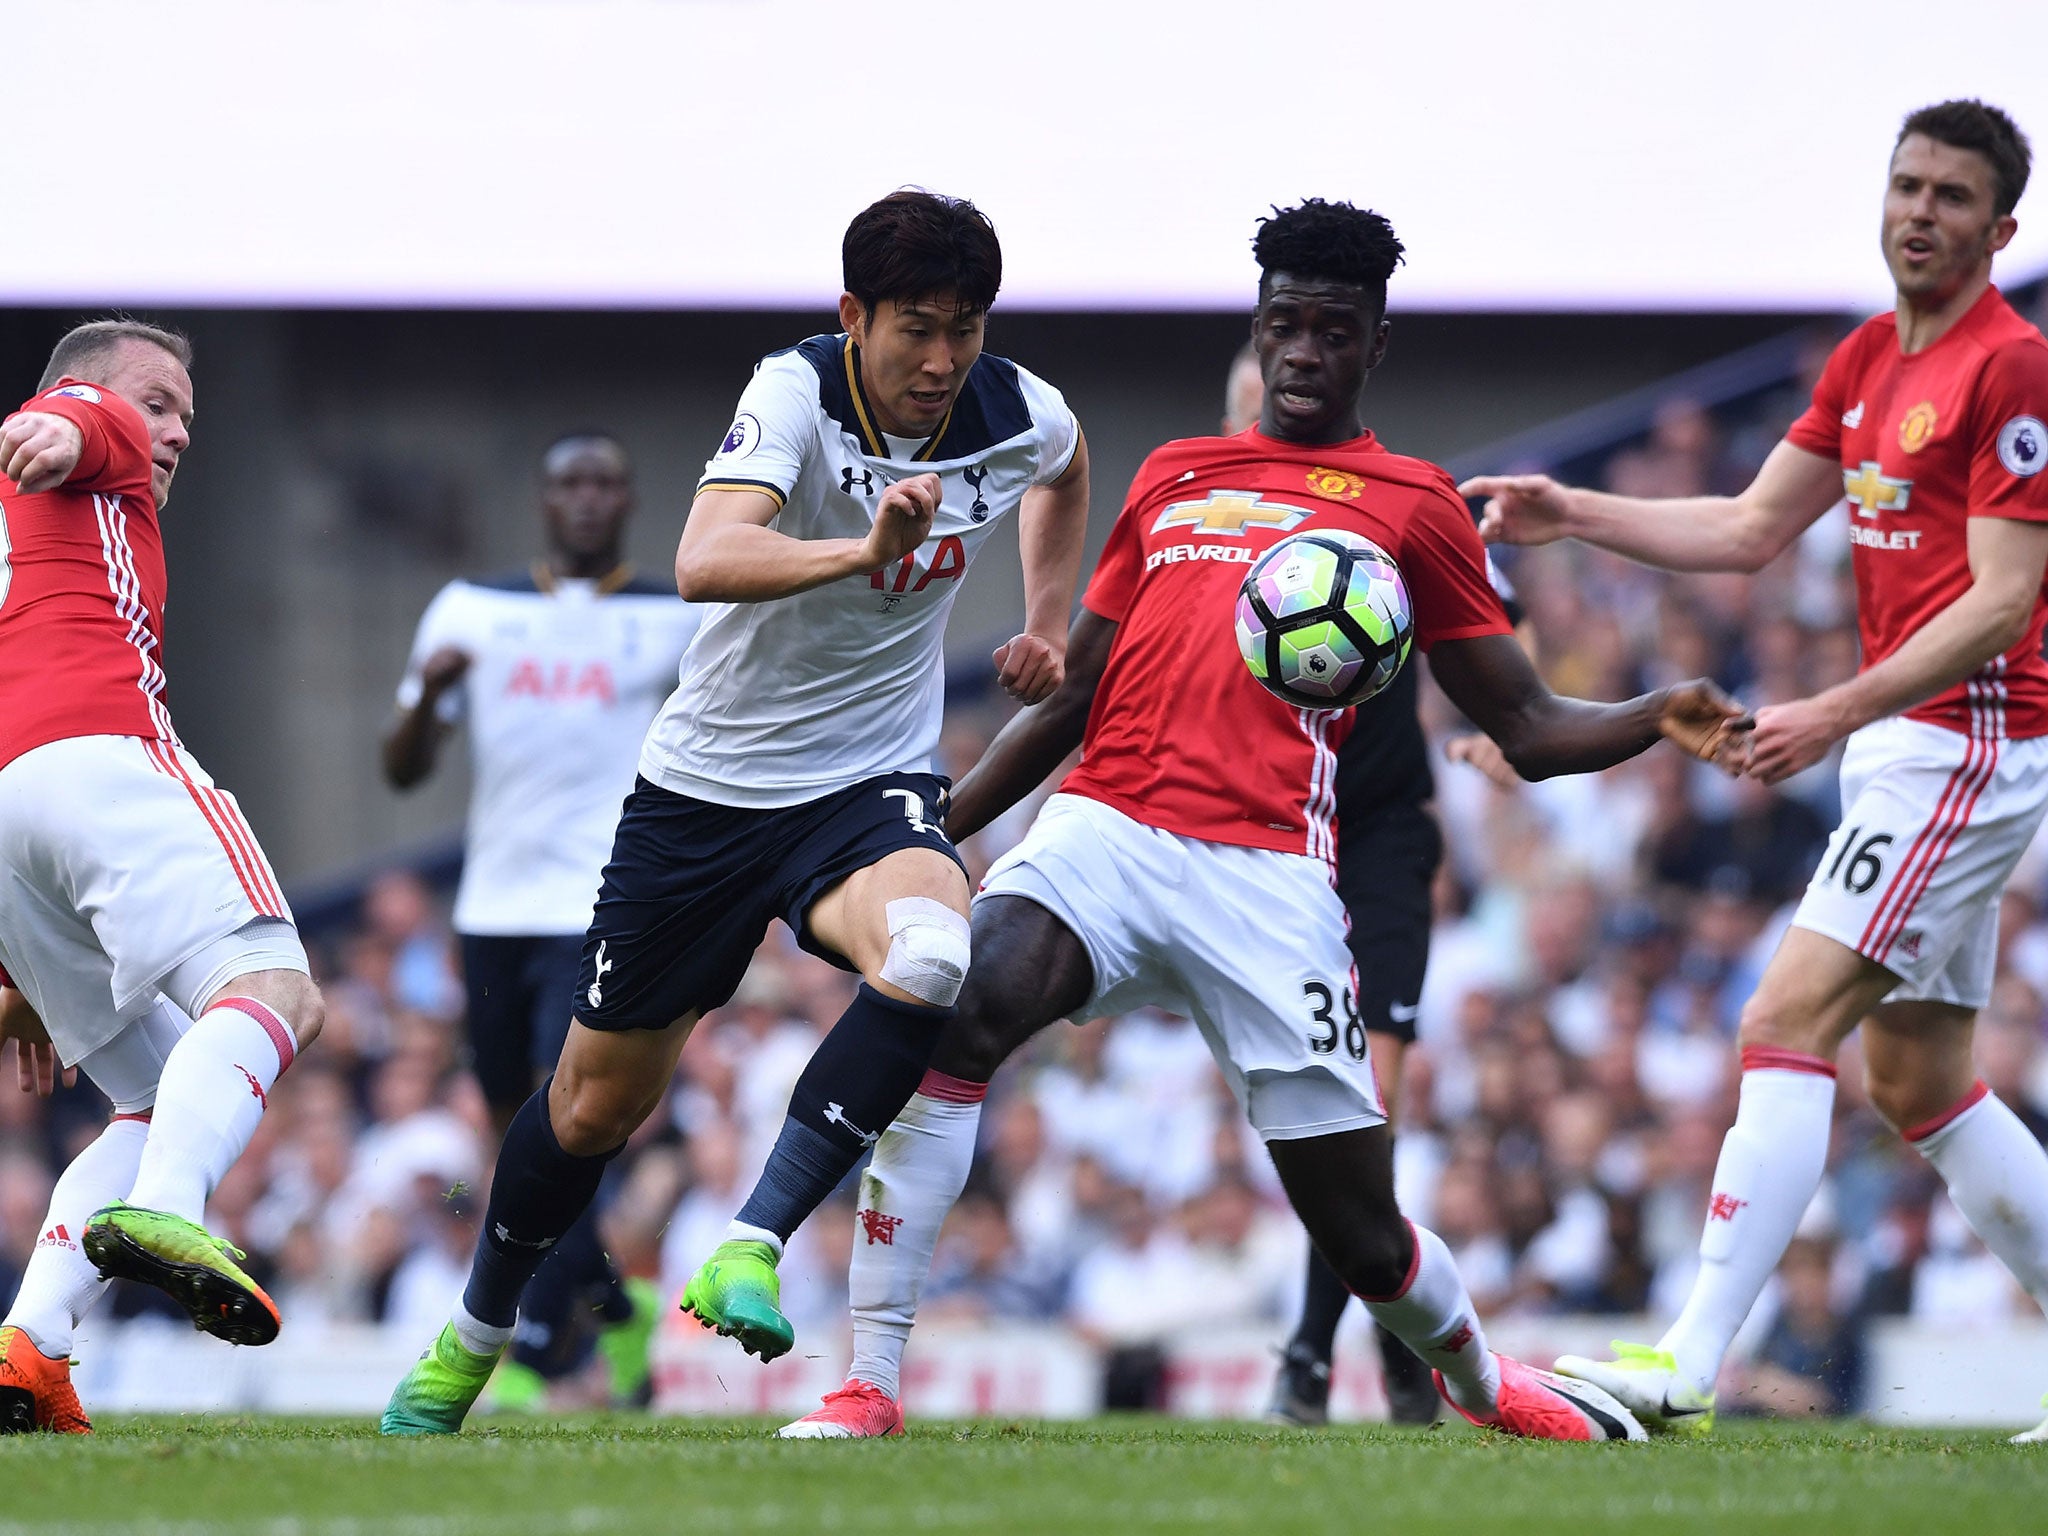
x: 927, y: 950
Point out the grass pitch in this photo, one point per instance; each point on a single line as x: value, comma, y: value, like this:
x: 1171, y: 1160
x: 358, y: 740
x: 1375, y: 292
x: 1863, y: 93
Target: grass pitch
x: 616, y: 1476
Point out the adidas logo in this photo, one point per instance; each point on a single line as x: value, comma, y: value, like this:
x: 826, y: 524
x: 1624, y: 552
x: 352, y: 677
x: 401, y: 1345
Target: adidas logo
x: 58, y: 1236
x: 1853, y: 417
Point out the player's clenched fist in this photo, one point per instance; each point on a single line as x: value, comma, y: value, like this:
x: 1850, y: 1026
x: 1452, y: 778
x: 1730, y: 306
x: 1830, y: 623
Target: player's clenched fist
x: 38, y: 450
x: 1520, y: 509
x: 1704, y: 721
x: 1030, y: 668
x: 903, y: 519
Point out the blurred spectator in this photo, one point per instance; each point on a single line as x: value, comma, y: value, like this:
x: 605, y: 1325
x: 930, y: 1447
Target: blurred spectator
x: 1810, y: 1363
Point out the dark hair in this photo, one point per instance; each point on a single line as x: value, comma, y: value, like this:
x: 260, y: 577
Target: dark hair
x: 915, y: 245
x: 573, y: 439
x: 1974, y: 124
x: 1328, y: 240
x: 85, y: 347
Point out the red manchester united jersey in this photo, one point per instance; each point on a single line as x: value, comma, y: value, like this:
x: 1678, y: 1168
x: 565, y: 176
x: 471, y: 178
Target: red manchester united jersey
x: 82, y: 587
x: 1926, y: 443
x: 1181, y: 736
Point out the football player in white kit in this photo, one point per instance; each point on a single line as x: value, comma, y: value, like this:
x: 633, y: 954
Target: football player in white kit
x: 131, y: 877
x: 791, y: 775
x: 558, y: 669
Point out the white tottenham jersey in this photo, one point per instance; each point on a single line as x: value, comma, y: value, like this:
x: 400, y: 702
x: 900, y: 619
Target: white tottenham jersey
x: 564, y: 677
x: 785, y: 701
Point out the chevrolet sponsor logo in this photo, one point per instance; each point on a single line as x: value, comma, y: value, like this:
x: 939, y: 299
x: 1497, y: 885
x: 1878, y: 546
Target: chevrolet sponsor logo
x: 1873, y: 492
x: 1229, y: 512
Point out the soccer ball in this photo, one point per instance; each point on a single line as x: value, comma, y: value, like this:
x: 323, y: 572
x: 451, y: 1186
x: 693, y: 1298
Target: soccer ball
x: 1323, y: 619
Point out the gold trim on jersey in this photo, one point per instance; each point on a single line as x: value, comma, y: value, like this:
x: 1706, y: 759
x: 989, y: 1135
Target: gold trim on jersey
x: 743, y: 485
x: 875, y: 445
x: 613, y: 580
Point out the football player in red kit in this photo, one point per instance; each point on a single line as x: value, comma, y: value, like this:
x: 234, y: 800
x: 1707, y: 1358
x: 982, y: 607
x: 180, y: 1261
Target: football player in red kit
x: 139, y: 917
x: 1929, y: 420
x: 1186, y: 863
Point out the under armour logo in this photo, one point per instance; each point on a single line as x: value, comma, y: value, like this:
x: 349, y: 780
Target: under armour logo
x: 835, y: 1115
x: 879, y: 1228
x: 1723, y: 1207
x: 596, y: 992
x: 847, y: 476
x: 974, y: 477
x: 255, y: 1087
x: 519, y: 1242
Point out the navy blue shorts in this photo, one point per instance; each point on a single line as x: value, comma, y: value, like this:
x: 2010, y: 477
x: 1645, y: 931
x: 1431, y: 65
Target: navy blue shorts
x: 518, y: 1009
x: 1385, y: 868
x: 692, y: 887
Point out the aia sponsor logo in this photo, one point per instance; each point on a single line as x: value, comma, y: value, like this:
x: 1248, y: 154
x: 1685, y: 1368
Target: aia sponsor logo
x: 561, y: 682
x: 1723, y: 1207
x: 879, y: 1228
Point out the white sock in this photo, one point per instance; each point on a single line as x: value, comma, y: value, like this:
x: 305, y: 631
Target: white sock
x: 60, y: 1284
x: 1997, y: 1174
x: 479, y: 1338
x: 737, y: 1231
x: 1433, y: 1315
x: 1771, y: 1164
x: 918, y: 1170
x: 215, y: 1086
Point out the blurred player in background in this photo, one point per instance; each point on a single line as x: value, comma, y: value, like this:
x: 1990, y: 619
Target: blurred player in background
x: 131, y: 878
x: 558, y: 669
x: 790, y: 775
x: 1388, y: 849
x: 1185, y: 864
x: 1930, y: 420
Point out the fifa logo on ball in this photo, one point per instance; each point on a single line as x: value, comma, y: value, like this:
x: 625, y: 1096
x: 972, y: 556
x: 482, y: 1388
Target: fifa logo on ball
x: 1324, y: 620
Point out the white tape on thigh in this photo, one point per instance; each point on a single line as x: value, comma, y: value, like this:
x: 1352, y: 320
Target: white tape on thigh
x: 927, y: 949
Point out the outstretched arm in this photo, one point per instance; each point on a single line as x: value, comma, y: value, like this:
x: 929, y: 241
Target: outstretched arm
x: 1544, y: 734
x: 1687, y: 533
x: 1052, y: 527
x: 1037, y: 740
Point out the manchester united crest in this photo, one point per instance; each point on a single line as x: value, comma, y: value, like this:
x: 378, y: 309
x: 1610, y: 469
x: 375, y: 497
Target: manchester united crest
x: 1335, y: 484
x: 1918, y: 427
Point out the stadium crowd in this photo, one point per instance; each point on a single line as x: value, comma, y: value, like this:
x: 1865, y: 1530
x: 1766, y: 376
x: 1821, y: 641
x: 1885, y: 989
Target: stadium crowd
x: 1595, y: 939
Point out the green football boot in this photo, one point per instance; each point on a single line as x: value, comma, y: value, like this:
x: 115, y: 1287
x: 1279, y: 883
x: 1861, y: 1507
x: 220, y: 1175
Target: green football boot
x: 187, y: 1263
x: 438, y: 1391
x: 626, y: 1346
x: 738, y: 1293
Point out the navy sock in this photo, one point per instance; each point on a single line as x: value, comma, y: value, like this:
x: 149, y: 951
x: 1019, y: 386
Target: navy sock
x: 537, y: 1193
x: 1322, y: 1306
x: 859, y: 1079
x: 575, y: 1276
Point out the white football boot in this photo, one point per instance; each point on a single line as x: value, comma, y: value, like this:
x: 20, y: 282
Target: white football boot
x: 1645, y: 1381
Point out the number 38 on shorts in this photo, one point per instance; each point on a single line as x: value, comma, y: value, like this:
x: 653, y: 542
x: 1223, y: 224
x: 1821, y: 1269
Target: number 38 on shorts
x: 1327, y: 1031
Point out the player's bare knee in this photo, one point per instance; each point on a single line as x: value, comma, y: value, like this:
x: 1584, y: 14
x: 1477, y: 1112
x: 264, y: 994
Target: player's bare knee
x: 591, y: 1120
x: 928, y: 950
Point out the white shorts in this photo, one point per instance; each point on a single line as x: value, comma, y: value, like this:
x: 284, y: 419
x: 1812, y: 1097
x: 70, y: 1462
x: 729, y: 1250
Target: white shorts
x: 126, y: 1069
x: 1247, y: 942
x: 126, y: 875
x: 1933, y: 823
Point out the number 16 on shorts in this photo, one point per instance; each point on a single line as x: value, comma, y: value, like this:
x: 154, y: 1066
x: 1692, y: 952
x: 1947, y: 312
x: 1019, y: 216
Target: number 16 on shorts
x: 1856, y: 861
